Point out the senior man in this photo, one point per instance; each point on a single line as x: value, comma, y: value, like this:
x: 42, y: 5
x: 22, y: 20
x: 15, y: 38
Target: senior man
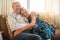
x: 20, y: 26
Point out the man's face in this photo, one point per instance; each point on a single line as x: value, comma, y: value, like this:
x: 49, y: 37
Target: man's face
x: 16, y: 7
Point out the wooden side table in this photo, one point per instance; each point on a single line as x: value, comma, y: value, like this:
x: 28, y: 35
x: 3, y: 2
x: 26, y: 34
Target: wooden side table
x: 1, y: 38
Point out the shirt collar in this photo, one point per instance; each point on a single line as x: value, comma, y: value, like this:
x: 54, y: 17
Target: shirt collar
x: 15, y: 13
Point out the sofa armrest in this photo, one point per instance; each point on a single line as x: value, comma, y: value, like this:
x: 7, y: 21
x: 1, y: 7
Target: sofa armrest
x: 57, y: 34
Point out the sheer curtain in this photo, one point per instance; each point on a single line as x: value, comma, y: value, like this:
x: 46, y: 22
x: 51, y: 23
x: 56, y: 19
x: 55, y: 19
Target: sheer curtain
x: 0, y: 5
x: 53, y: 9
x: 37, y: 5
x: 5, y: 6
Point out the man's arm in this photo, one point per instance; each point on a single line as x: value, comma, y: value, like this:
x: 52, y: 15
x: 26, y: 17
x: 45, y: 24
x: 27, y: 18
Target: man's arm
x: 23, y: 29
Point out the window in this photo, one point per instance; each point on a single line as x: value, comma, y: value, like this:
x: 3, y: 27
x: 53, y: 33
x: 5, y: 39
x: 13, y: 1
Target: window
x: 33, y: 5
x: 23, y: 3
x: 37, y: 5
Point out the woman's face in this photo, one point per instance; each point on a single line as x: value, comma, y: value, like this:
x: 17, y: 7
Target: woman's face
x: 25, y: 13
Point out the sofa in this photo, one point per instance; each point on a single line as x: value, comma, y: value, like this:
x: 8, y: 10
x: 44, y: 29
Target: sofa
x: 7, y: 32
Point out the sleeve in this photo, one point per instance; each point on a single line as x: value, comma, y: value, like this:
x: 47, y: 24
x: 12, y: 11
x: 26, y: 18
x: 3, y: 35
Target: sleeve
x: 14, y: 24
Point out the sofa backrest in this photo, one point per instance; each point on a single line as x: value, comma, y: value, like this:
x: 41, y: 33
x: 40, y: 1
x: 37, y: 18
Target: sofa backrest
x: 3, y: 27
x: 45, y: 17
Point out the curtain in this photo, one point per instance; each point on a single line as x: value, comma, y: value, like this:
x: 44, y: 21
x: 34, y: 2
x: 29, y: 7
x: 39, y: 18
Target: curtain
x: 37, y: 5
x: 0, y: 5
x: 6, y: 6
x: 53, y: 9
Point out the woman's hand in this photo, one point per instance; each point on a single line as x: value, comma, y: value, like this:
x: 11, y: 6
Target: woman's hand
x: 33, y: 17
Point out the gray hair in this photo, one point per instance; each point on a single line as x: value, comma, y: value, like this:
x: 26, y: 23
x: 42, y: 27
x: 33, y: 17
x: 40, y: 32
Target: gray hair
x: 15, y: 3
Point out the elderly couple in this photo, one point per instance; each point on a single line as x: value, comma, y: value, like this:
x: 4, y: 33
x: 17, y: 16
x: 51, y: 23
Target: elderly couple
x: 19, y: 24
